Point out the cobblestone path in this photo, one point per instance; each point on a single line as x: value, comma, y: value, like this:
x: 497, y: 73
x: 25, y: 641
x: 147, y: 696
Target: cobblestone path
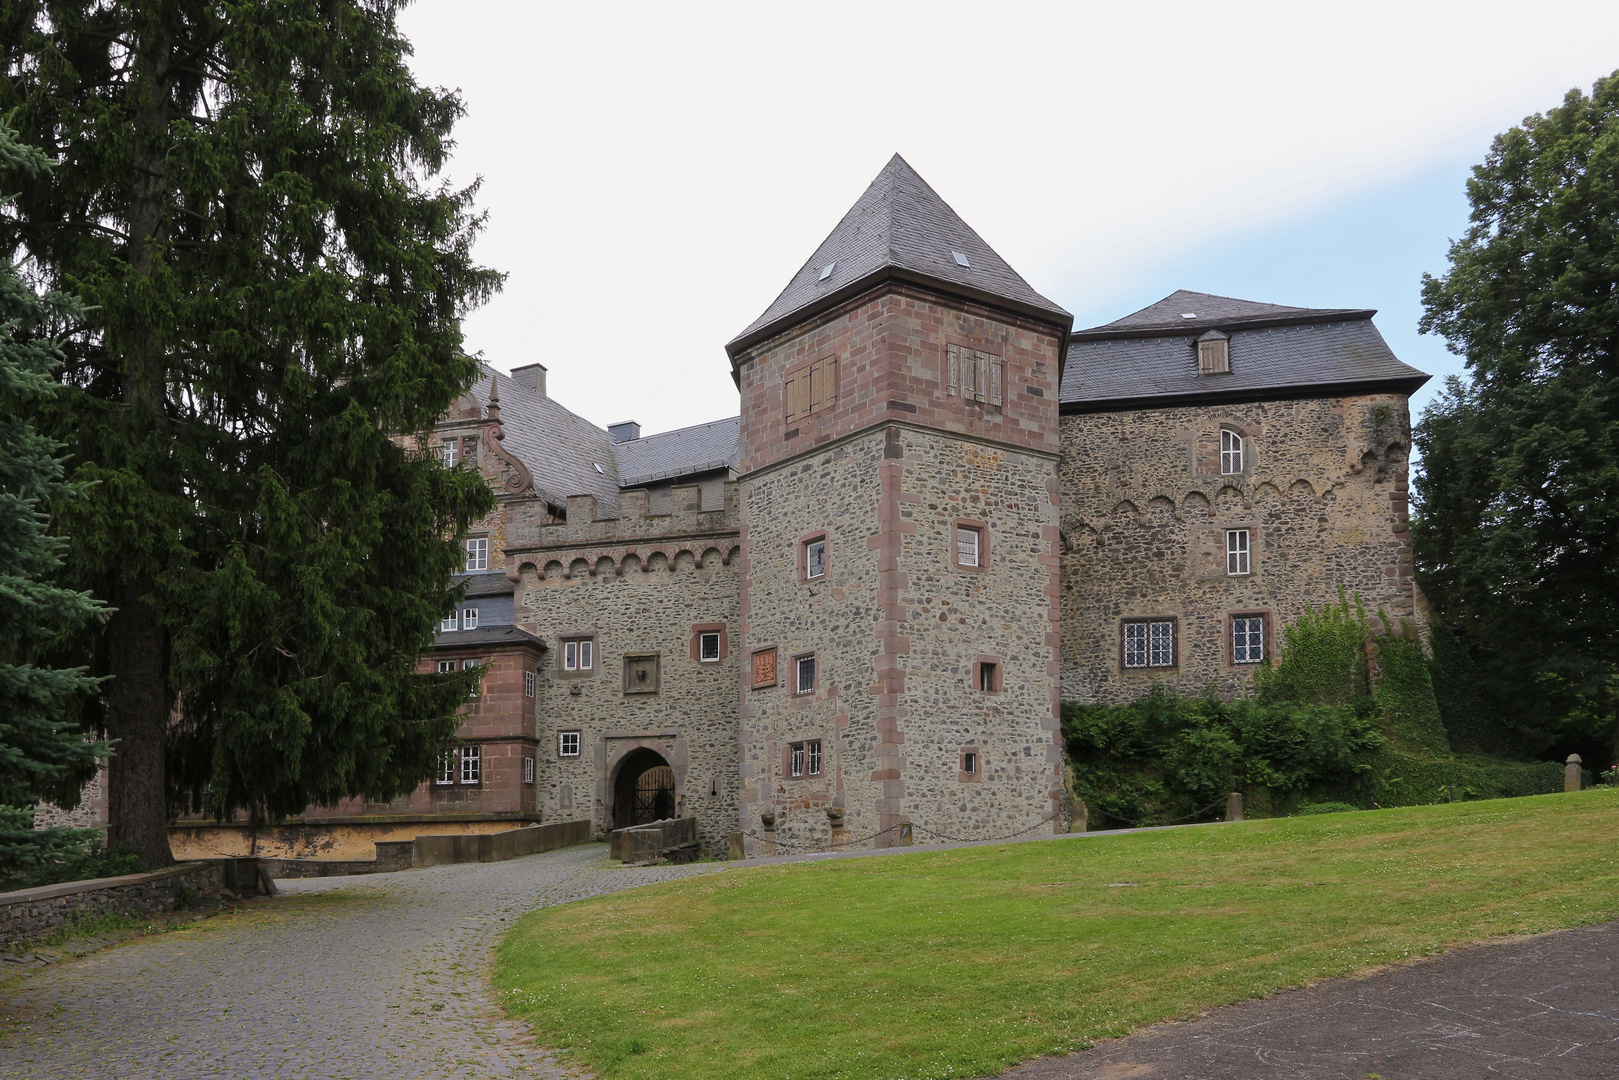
x: 361, y: 978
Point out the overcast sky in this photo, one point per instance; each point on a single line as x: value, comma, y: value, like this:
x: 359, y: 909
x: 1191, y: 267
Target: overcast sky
x: 655, y: 173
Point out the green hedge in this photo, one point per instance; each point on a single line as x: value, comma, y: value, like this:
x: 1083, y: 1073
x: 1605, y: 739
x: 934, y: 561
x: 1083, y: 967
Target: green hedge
x: 1403, y: 779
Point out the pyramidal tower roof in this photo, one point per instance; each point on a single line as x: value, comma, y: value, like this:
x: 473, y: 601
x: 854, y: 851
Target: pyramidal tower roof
x: 899, y: 228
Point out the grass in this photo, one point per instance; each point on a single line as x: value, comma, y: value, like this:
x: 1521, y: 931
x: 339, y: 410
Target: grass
x: 961, y: 963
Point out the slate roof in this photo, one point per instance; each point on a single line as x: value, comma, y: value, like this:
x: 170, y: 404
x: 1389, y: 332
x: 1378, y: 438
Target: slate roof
x: 899, y: 228
x: 495, y: 584
x: 487, y: 635
x: 560, y: 449
x: 684, y: 452
x: 1275, y: 351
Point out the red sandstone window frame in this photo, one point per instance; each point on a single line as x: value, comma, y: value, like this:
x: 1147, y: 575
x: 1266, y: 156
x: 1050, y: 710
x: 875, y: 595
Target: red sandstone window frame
x: 997, y: 674
x: 1174, y: 643
x: 754, y: 667
x: 804, y: 543
x: 803, y: 760
x: 798, y: 674
x: 979, y: 527
x: 697, y: 632
x: 970, y: 765
x: 1231, y: 637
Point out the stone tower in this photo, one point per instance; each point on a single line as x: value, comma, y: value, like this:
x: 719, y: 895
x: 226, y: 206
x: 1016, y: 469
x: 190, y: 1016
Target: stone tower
x: 899, y: 536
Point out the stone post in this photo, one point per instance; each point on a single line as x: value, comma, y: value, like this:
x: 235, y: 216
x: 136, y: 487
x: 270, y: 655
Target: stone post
x: 1233, y: 806
x: 1571, y: 773
x: 1081, y: 821
x: 906, y: 838
x: 736, y: 851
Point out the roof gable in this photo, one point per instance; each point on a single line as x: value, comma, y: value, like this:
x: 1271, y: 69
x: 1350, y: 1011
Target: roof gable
x: 683, y: 452
x: 1184, y: 310
x: 899, y: 227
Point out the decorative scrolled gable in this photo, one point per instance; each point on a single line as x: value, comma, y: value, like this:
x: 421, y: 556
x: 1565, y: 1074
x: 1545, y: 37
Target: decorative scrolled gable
x: 515, y: 479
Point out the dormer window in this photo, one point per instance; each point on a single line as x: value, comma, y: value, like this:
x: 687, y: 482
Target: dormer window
x: 1214, y: 354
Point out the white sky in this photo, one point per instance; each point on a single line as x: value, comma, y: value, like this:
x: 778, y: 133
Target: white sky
x: 655, y: 173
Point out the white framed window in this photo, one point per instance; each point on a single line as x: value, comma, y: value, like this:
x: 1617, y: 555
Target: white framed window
x: 446, y: 768
x: 815, y: 559
x: 805, y: 667
x: 1237, y: 556
x: 1230, y: 452
x: 528, y: 683
x: 469, y: 618
x: 1149, y: 643
x: 708, y: 646
x: 450, y: 624
x: 451, y: 451
x: 578, y: 655
x: 567, y: 744
x: 472, y: 694
x: 528, y: 770
x: 445, y: 666
x: 471, y: 764
x: 478, y: 553
x: 804, y: 758
x: 967, y: 545
x: 1247, y: 639
x: 465, y: 664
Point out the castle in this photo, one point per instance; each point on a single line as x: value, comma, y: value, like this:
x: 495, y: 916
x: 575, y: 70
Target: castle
x: 851, y: 613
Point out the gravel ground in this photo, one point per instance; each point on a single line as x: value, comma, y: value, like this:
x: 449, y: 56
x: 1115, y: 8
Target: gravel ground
x: 357, y: 978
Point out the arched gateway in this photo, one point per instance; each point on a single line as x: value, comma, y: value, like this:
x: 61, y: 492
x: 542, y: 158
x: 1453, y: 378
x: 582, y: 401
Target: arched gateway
x: 644, y: 790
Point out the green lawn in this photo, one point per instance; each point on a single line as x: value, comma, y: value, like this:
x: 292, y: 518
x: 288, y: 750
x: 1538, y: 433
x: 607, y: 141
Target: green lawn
x: 960, y: 963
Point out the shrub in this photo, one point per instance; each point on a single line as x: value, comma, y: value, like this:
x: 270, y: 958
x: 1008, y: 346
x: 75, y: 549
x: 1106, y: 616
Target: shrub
x: 1322, y: 660
x: 56, y: 855
x: 1323, y: 808
x: 1405, y: 693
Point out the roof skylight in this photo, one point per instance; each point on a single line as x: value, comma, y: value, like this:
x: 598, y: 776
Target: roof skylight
x: 1188, y: 314
x: 961, y: 260
x: 826, y: 271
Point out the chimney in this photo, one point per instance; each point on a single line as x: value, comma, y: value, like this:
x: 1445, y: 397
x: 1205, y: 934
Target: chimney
x: 624, y: 431
x: 531, y: 376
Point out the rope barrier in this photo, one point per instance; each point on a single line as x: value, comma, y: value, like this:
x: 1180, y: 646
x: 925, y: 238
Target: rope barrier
x: 1173, y: 821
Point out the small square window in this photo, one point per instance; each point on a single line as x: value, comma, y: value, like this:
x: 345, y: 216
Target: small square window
x: 1236, y: 552
x: 989, y: 677
x: 1230, y: 452
x: 567, y: 744
x: 1247, y: 639
x: 446, y: 666
x: 1149, y: 643
x: 528, y: 683
x: 450, y: 624
x: 528, y: 770
x: 804, y: 758
x: 805, y: 666
x: 967, y: 545
x: 471, y: 764
x: 449, y: 450
x: 815, y: 559
x: 469, y: 618
x: 478, y: 553
x: 708, y: 647
x: 578, y: 655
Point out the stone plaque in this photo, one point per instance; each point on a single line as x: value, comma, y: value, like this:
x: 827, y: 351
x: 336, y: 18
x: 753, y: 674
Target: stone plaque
x: 641, y: 674
x: 764, y: 667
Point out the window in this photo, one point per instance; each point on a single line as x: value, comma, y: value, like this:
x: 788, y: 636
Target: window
x: 446, y: 666
x: 811, y: 389
x: 528, y: 683
x: 579, y: 654
x: 989, y: 675
x: 804, y: 758
x: 814, y: 559
x: 465, y: 664
x: 764, y: 668
x: 567, y: 744
x: 477, y: 688
x: 449, y: 624
x: 528, y: 770
x: 1236, y: 551
x: 471, y: 764
x: 967, y: 546
x: 805, y: 666
x: 969, y: 762
x: 708, y: 647
x: 973, y: 375
x: 469, y: 618
x: 446, y: 768
x: 1230, y: 452
x: 1149, y: 643
x: 451, y: 446
x: 1247, y: 639
x: 1213, y: 354
x: 478, y: 553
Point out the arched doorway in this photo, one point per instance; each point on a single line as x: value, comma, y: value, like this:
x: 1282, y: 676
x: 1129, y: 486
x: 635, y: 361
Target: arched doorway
x: 644, y: 790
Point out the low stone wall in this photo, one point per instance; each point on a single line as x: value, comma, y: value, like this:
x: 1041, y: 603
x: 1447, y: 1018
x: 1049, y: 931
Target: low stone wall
x: 493, y: 847
x: 675, y: 838
x: 391, y: 855
x: 30, y: 913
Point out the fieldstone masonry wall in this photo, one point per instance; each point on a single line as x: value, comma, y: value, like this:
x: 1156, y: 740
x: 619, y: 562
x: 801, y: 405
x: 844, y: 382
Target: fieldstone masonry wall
x: 1145, y: 509
x: 32, y: 913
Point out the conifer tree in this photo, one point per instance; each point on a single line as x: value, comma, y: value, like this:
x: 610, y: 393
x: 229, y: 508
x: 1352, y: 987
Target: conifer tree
x: 247, y: 198
x: 43, y: 753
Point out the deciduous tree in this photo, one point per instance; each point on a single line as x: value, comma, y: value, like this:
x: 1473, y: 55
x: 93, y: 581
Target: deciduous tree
x: 247, y: 196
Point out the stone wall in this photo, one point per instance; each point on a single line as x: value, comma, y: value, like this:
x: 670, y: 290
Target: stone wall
x: 91, y: 813
x: 1144, y: 515
x: 637, y: 585
x: 31, y: 913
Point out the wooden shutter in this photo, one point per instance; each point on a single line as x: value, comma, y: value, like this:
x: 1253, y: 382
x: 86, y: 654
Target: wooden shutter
x: 798, y: 396
x: 994, y: 381
x: 952, y: 375
x: 823, y: 384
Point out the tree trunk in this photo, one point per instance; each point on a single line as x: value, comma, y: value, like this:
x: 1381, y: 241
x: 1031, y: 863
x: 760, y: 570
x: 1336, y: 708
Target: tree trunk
x: 137, y: 716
